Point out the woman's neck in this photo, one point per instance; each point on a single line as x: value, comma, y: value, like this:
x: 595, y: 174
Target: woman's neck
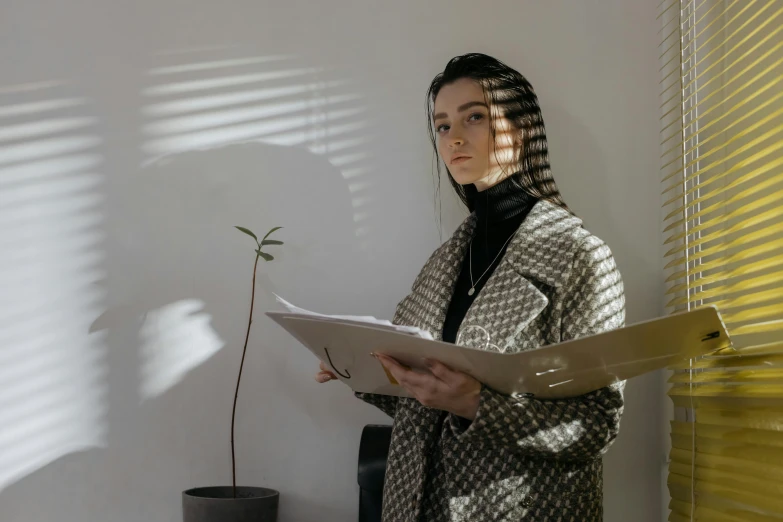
x: 490, y: 180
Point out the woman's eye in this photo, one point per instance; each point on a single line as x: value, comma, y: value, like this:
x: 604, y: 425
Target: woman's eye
x: 442, y: 128
x: 476, y: 117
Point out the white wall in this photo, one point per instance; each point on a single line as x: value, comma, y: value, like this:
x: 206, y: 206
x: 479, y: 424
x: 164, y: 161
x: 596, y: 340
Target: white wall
x: 125, y: 288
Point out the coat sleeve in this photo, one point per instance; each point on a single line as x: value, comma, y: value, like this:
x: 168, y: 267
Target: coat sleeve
x: 579, y: 428
x: 386, y: 403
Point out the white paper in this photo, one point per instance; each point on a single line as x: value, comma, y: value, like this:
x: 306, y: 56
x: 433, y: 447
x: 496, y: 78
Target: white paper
x: 366, y: 319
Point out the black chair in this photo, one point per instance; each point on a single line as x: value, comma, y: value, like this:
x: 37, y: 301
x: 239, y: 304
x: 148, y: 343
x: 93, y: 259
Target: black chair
x: 373, y: 452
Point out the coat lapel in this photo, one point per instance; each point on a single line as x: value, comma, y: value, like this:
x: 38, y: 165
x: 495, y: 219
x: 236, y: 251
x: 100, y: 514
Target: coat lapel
x: 510, y: 300
x: 443, y: 272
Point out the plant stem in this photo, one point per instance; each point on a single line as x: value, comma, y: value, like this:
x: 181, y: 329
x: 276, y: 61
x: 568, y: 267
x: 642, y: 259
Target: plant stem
x: 239, y: 378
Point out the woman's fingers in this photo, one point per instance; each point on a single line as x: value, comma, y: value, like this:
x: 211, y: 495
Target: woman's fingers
x: 325, y: 375
x: 441, y: 388
x: 440, y: 370
x: 401, y: 373
x: 418, y: 384
x: 325, y: 369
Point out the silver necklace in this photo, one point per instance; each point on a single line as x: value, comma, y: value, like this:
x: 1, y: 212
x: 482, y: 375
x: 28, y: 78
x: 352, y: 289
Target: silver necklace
x: 473, y: 284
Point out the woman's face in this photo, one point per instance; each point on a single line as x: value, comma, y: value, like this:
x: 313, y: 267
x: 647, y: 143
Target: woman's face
x: 465, y: 144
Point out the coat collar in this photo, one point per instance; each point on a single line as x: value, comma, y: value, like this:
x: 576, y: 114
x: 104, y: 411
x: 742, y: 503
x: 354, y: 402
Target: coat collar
x: 542, y: 227
x: 509, y: 300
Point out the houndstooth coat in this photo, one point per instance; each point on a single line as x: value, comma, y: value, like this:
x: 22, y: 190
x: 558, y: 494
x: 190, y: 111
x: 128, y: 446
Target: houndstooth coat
x: 522, y: 458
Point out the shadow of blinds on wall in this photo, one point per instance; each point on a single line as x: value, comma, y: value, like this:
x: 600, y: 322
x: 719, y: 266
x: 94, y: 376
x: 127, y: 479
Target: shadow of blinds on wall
x: 722, y: 173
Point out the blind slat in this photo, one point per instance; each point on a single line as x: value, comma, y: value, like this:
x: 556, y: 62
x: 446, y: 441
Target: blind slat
x: 723, y: 117
x: 705, y: 153
x: 765, y: 186
x: 737, y: 75
x: 775, y: 327
x: 771, y: 248
x: 724, y: 45
x: 683, y: 509
x: 728, y: 246
x: 756, y: 156
x: 766, y: 351
x: 736, y: 482
x: 728, y: 287
x: 732, y: 216
x: 747, y: 375
x: 743, y: 89
x: 717, y: 495
x: 708, y: 26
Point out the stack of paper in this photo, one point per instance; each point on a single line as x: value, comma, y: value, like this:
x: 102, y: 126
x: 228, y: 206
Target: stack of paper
x: 361, y: 319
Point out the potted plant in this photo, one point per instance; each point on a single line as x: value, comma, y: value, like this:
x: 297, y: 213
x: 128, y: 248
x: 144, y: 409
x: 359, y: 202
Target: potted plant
x: 236, y: 503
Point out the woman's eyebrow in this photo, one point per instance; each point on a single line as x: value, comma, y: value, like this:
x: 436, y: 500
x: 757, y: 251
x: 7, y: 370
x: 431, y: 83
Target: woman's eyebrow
x: 461, y: 108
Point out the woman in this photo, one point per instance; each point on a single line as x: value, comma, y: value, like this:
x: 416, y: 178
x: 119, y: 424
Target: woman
x: 520, y: 272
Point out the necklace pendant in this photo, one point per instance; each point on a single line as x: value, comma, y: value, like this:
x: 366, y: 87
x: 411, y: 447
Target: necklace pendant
x: 471, y: 291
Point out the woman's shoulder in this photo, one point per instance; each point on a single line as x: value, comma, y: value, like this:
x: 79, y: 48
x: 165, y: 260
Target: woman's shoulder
x: 593, y: 267
x: 587, y: 250
x: 557, y: 229
x: 589, y: 246
x: 559, y: 241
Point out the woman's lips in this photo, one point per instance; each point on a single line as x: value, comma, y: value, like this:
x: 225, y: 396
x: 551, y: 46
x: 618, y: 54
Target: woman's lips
x: 460, y: 159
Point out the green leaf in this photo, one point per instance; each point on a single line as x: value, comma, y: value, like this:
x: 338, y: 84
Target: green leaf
x: 271, y: 242
x: 266, y: 256
x: 247, y: 231
x: 270, y: 232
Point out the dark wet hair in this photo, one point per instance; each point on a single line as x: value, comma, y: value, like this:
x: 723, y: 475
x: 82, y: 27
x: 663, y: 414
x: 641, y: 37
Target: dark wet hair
x: 509, y: 91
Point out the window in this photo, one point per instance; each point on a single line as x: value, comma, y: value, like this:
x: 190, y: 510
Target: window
x: 722, y: 172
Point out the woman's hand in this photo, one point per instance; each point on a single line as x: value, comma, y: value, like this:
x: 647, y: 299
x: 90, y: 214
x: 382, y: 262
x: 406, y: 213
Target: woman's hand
x: 325, y: 375
x: 442, y: 388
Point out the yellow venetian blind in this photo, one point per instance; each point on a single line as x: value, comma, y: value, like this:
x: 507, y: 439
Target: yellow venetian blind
x: 722, y: 172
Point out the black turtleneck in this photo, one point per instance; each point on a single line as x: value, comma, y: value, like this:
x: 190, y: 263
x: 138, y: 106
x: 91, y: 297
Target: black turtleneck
x: 500, y: 210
